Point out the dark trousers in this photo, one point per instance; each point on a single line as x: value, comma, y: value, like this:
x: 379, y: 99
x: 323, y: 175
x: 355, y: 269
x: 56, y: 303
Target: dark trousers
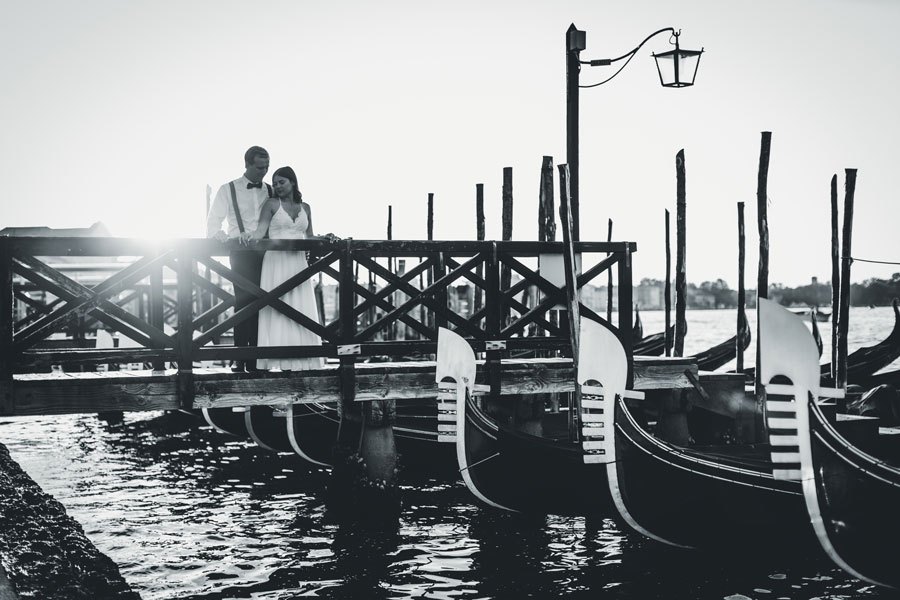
x: 249, y: 265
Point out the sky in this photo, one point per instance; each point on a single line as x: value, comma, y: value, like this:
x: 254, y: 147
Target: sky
x: 124, y: 112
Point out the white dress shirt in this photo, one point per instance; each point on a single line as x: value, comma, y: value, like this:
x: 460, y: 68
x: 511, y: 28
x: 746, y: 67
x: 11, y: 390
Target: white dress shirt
x: 249, y: 202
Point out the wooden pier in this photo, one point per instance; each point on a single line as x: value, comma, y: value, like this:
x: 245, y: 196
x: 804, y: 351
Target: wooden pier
x: 184, y: 314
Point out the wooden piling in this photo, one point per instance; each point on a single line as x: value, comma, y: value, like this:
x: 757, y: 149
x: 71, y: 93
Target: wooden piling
x: 742, y: 296
x: 507, y: 225
x: 547, y: 233
x: 429, y: 319
x: 479, y: 232
x: 680, y: 251
x: 846, y: 261
x: 609, y: 279
x: 7, y: 320
x: 762, y: 221
x: 184, y: 380
x: 566, y: 219
x: 546, y: 216
x: 157, y: 307
x: 546, y: 223
x: 835, y: 276
x: 667, y: 290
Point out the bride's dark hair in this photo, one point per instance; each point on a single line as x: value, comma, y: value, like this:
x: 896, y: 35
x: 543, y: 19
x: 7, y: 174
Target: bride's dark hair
x: 288, y: 173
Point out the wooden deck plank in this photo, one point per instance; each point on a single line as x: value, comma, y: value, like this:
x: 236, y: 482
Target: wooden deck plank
x: 217, y: 387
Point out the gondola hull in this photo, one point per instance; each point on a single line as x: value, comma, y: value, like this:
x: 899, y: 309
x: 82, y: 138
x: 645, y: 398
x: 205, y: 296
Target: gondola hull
x: 267, y: 426
x: 854, y: 500
x: 529, y: 473
x: 709, y: 498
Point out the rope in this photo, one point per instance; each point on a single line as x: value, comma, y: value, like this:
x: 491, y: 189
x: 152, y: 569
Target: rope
x: 879, y: 262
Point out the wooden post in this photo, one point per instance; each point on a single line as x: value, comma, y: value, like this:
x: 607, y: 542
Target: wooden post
x: 565, y: 214
x: 493, y: 322
x: 609, y: 281
x: 546, y: 216
x: 742, y: 296
x: 7, y: 318
x: 547, y: 233
x: 667, y: 291
x: 680, y: 251
x: 430, y: 216
x: 846, y: 261
x: 157, y: 318
x: 762, y: 220
x: 350, y: 411
x: 185, y: 336
x: 479, y: 232
x: 507, y: 223
x: 626, y: 301
x: 835, y: 276
x: 428, y: 318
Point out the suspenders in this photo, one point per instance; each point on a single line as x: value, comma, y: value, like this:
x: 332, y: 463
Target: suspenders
x: 234, y: 204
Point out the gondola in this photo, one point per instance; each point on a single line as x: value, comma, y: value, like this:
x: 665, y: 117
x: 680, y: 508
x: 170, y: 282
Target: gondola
x: 720, y: 354
x: 817, y: 315
x: 863, y: 362
x: 542, y: 471
x: 226, y: 420
x: 851, y: 495
x: 267, y: 426
x: 723, y: 497
x: 637, y: 331
x: 701, y: 497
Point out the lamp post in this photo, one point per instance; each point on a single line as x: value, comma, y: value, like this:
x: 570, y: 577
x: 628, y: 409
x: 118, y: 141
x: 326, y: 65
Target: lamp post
x: 677, y: 68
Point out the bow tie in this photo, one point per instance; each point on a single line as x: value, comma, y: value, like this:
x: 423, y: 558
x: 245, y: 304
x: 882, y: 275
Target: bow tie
x: 250, y: 186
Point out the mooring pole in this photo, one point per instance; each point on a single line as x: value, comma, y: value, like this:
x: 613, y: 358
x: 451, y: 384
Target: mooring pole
x: 7, y: 319
x: 479, y: 231
x: 565, y: 209
x: 846, y: 261
x: 507, y: 223
x: 184, y: 337
x: 667, y: 291
x: 680, y: 251
x: 742, y: 295
x: 762, y: 220
x: 609, y: 279
x: 835, y: 276
x: 157, y: 308
x: 547, y: 233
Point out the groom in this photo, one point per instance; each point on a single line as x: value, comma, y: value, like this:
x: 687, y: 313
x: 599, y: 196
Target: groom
x: 237, y: 203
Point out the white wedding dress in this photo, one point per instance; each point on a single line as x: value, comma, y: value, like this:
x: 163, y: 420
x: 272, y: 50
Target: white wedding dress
x: 275, y: 329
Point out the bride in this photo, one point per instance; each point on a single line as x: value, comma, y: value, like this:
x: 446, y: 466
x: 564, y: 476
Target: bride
x: 286, y: 216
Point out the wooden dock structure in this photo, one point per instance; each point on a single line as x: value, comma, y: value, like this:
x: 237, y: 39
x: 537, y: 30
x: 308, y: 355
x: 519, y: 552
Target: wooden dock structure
x: 524, y: 348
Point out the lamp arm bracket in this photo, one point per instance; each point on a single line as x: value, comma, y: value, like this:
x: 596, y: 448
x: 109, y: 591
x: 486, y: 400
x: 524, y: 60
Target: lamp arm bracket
x: 603, y: 62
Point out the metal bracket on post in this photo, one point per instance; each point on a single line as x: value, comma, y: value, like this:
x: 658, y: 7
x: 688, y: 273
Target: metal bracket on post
x: 349, y: 349
x: 495, y: 345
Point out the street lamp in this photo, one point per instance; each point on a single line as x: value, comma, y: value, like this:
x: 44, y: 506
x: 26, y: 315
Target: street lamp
x: 677, y: 68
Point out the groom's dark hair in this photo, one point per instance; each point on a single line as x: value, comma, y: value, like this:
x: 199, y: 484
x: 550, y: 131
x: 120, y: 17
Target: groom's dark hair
x: 251, y: 154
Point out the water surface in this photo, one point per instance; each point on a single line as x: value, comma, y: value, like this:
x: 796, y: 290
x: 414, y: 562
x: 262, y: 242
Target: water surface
x: 189, y: 513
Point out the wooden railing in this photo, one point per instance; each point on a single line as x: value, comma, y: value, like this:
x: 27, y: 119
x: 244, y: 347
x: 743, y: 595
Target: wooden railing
x: 376, y: 304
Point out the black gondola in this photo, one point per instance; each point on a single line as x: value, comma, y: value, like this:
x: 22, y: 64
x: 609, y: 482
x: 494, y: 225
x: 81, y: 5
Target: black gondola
x: 851, y: 495
x: 863, y: 362
x: 267, y: 426
x: 540, y: 472
x: 720, y: 354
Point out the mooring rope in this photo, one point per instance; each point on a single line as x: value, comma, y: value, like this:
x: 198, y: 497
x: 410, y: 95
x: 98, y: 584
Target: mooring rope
x: 879, y: 262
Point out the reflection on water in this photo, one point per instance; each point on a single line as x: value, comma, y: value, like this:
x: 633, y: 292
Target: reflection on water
x: 189, y: 513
